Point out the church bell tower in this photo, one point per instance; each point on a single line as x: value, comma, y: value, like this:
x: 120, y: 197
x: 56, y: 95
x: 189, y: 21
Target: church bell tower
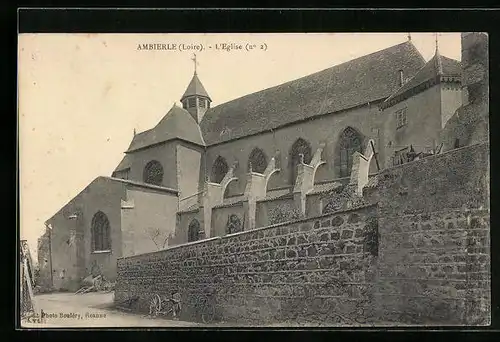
x: 196, y: 99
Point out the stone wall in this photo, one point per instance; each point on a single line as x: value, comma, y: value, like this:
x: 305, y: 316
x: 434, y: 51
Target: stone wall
x: 44, y: 280
x: 470, y: 123
x: 148, y: 220
x: 417, y: 253
x: 433, y: 264
x: 310, y: 270
x: 71, y: 237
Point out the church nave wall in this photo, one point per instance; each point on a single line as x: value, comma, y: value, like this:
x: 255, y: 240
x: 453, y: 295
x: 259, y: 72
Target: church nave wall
x: 326, y: 129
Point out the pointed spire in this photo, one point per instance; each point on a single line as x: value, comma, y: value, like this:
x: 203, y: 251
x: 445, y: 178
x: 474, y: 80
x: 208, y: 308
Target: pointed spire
x: 437, y: 56
x: 195, y: 87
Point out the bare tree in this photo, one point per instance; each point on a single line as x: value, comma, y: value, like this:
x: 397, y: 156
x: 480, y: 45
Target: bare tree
x: 156, y: 236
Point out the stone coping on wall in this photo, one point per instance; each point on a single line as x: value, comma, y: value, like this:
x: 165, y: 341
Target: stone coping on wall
x: 432, y: 157
x: 143, y: 185
x: 188, y: 211
x: 220, y: 238
x: 288, y: 195
x: 464, y: 211
x: 322, y: 188
x: 191, y: 209
x: 231, y: 202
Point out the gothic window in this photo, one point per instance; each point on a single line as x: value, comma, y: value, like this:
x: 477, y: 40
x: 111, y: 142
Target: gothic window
x: 100, y: 232
x: 350, y: 141
x: 193, y: 230
x: 300, y: 146
x: 258, y: 160
x: 219, y: 170
x: 401, y: 117
x: 233, y: 224
x: 153, y: 173
x: 192, y: 102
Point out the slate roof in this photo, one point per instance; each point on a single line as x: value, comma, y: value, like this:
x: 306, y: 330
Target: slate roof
x: 365, y: 79
x: 126, y: 163
x: 177, y: 123
x: 195, y: 87
x: 438, y: 66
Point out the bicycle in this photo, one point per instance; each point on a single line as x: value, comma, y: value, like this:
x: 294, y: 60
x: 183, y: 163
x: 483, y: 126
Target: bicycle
x: 163, y: 307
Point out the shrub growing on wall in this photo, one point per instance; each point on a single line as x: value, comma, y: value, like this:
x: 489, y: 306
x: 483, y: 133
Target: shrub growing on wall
x: 283, y: 214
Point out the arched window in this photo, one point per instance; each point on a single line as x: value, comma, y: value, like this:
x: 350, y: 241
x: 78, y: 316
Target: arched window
x: 233, y: 224
x: 193, y: 230
x: 300, y: 146
x: 101, y: 240
x: 258, y: 160
x: 350, y: 141
x: 219, y: 169
x: 153, y: 173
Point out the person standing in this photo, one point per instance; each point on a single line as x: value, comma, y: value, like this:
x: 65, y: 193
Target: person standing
x: 176, y: 307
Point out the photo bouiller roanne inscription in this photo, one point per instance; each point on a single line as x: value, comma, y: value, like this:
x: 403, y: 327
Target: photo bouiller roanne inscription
x: 254, y: 180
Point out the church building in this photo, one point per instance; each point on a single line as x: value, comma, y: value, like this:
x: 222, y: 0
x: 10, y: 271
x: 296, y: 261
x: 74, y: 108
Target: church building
x: 208, y: 169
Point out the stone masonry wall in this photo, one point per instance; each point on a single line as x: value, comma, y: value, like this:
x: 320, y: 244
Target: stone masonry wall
x: 434, y: 268
x: 315, y: 270
x: 44, y: 280
x: 418, y: 255
x: 434, y: 262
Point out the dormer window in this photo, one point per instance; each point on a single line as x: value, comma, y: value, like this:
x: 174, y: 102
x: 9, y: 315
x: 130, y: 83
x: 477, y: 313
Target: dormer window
x: 191, y: 102
x: 401, y: 118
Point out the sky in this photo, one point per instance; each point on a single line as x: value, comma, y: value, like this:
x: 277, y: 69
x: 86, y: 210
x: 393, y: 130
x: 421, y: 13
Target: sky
x: 82, y: 95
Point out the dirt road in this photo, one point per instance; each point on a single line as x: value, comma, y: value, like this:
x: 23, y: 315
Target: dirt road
x: 67, y: 310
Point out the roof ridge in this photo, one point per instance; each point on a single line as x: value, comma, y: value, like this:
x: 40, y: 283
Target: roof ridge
x: 354, y: 82
x: 417, y: 50
x: 408, y: 81
x: 321, y: 71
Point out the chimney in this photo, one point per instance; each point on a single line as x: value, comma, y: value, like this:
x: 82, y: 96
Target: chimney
x: 401, y: 78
